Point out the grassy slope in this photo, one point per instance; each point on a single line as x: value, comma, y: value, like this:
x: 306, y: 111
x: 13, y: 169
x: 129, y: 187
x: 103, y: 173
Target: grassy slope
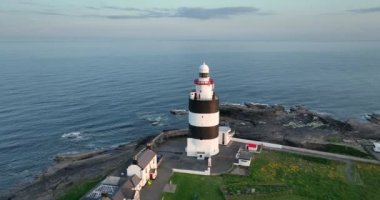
x: 308, y: 177
x: 300, y: 177
x: 78, y: 190
x: 334, y: 148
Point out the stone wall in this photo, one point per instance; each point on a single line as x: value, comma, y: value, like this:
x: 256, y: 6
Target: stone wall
x: 166, y: 135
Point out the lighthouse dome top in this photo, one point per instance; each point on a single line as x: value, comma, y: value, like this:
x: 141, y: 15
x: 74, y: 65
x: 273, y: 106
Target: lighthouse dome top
x: 204, y: 68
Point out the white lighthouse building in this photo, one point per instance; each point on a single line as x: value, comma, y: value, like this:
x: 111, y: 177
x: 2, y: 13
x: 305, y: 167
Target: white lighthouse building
x: 203, y: 138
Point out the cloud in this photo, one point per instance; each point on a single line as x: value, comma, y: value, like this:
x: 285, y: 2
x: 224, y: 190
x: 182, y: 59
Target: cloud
x: 365, y: 10
x: 208, y: 13
x: 137, y: 13
x: 92, y: 8
x: 31, y: 3
x: 121, y: 8
x: 43, y: 12
x: 49, y: 13
x: 182, y: 12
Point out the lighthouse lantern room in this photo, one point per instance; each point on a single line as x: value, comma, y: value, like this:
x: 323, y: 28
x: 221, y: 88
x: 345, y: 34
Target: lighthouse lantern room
x: 203, y: 138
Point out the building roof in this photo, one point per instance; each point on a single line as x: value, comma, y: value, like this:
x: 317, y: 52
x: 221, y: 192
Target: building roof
x: 96, y: 193
x: 111, y: 180
x: 124, y: 193
x: 245, y: 155
x: 377, y: 145
x: 144, y: 158
x: 126, y: 190
x: 118, y: 196
x: 251, y: 145
x: 134, y: 180
x: 129, y: 193
x: 224, y: 129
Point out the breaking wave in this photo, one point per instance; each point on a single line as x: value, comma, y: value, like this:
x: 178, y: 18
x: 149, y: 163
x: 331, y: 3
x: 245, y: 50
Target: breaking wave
x: 72, y: 135
x: 153, y: 119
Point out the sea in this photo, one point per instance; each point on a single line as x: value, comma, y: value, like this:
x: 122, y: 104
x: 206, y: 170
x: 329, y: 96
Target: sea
x: 75, y: 95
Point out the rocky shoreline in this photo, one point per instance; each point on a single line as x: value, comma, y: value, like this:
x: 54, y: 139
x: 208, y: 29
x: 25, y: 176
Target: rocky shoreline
x: 70, y: 170
x: 276, y: 124
x: 296, y: 126
x: 374, y: 118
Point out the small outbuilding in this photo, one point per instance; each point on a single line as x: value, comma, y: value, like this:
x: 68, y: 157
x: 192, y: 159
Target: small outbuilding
x: 244, y: 157
x: 253, y: 147
x: 225, y: 135
x: 376, y: 147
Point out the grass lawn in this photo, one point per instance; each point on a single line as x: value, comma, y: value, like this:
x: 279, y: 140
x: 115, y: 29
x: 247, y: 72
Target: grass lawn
x: 77, y: 191
x: 278, y: 176
x: 194, y: 187
x: 334, y: 148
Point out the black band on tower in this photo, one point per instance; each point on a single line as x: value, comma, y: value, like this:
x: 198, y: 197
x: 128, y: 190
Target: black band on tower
x: 199, y: 106
x: 203, y: 133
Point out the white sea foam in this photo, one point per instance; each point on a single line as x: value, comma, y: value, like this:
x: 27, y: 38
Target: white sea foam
x: 72, y: 135
x: 154, y: 119
x: 68, y: 153
x: 256, y: 103
x: 365, y: 117
x: 321, y: 113
x: 231, y: 104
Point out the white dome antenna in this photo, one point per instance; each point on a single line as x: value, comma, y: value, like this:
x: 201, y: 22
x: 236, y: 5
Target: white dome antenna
x: 204, y: 68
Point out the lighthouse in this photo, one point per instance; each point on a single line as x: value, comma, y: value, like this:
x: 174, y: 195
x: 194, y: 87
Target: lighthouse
x: 203, y: 117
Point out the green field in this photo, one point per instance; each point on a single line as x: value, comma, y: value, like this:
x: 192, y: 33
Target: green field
x: 278, y: 176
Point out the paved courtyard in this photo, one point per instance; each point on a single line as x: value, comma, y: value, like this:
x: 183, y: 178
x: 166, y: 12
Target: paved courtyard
x: 174, y: 156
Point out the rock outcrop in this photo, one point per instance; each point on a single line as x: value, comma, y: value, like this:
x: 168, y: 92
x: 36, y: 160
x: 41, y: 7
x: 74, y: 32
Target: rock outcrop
x: 73, y: 169
x: 296, y: 126
x: 374, y: 118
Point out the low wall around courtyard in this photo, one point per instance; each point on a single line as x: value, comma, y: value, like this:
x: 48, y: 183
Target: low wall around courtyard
x: 185, y: 171
x: 265, y: 144
x: 166, y: 135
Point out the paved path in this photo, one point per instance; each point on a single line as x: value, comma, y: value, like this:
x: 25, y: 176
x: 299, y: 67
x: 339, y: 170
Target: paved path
x: 348, y: 171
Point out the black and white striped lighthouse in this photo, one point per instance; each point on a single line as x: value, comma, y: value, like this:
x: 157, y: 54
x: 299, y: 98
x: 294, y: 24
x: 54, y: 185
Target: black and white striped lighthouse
x: 203, y: 117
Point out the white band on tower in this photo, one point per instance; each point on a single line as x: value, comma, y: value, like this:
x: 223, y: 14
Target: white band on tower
x: 203, y: 119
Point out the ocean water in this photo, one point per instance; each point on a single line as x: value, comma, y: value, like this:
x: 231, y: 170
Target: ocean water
x: 71, y: 96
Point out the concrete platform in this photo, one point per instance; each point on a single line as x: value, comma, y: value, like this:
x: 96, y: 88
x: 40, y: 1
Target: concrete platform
x: 223, y: 161
x: 170, y: 188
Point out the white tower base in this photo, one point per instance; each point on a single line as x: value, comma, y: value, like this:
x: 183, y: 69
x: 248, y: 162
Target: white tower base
x: 202, y: 148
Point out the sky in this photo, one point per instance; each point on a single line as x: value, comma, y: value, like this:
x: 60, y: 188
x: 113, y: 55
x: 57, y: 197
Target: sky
x: 259, y: 20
